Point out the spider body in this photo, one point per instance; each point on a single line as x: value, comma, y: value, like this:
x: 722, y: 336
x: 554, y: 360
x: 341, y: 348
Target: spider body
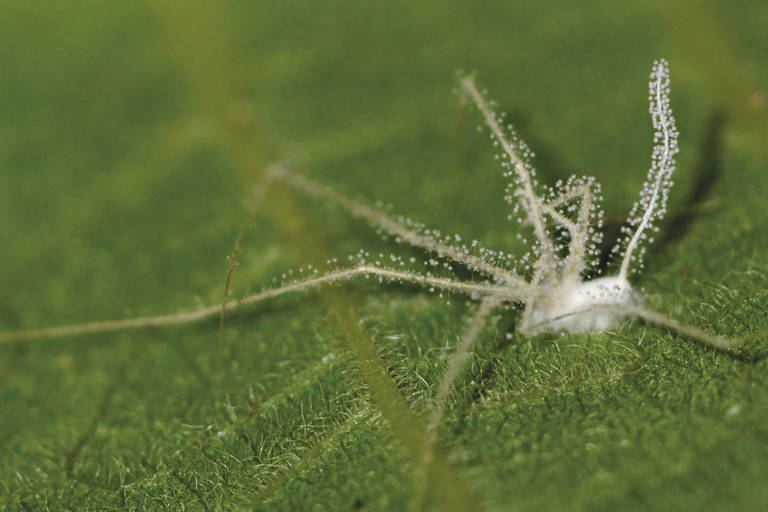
x: 580, y: 306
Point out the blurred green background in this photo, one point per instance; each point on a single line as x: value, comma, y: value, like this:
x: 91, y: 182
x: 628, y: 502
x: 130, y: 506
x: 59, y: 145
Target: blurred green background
x: 131, y: 135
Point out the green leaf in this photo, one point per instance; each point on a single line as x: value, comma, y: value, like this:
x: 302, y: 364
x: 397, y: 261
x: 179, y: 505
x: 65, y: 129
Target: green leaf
x: 131, y: 135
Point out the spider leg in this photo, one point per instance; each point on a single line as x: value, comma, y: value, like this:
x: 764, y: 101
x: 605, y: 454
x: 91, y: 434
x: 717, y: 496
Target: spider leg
x: 649, y: 315
x: 455, y: 365
x: 473, y: 289
x: 578, y: 230
x: 459, y: 360
x: 313, y: 188
x: 529, y: 200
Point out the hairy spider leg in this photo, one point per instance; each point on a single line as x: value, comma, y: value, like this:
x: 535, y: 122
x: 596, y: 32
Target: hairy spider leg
x: 654, y: 317
x: 578, y: 231
x: 456, y: 364
x: 379, y: 219
x: 545, y: 265
x: 509, y: 293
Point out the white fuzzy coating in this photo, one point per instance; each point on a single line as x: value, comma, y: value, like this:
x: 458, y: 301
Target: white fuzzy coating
x: 572, y: 307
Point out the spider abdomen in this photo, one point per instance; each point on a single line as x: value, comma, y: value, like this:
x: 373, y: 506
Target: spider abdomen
x: 580, y: 306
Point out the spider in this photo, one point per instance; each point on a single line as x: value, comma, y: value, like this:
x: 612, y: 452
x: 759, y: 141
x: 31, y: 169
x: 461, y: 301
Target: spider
x: 548, y: 282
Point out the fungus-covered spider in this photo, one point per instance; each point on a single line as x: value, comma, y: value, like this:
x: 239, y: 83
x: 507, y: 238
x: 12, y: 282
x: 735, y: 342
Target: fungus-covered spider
x: 548, y: 282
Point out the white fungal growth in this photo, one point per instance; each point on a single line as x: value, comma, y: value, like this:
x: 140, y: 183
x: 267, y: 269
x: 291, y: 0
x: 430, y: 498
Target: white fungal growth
x: 569, y: 304
x: 581, y: 307
x: 567, y: 225
x: 652, y: 204
x: 560, y: 300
